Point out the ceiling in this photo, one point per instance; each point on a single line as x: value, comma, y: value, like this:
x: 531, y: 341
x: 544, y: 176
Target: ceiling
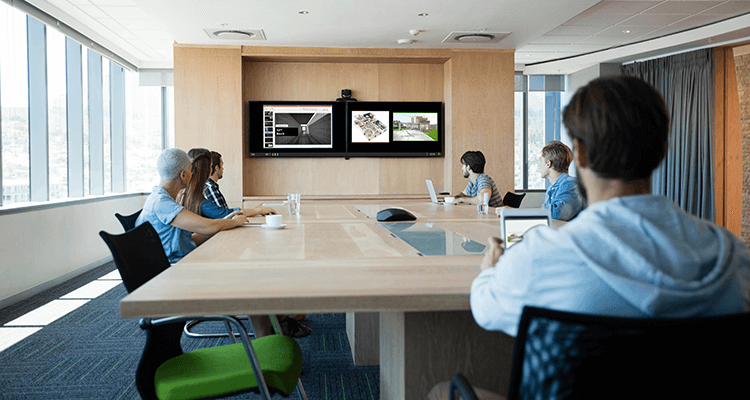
x: 577, y: 32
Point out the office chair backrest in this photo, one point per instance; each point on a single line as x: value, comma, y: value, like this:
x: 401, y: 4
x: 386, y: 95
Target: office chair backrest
x: 138, y: 254
x: 128, y: 221
x: 560, y: 355
x: 513, y: 200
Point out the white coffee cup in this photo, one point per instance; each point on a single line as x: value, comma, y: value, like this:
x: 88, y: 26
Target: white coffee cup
x: 273, y: 220
x: 449, y: 199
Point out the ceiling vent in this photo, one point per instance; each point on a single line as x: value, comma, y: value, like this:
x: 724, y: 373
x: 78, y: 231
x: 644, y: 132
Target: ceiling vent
x: 236, y: 34
x: 475, y: 37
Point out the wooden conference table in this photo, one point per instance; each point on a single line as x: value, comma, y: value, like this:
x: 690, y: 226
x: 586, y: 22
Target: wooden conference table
x: 408, y: 312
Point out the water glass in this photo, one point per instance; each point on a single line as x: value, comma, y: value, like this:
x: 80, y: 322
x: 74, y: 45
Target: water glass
x: 293, y: 199
x: 483, y: 201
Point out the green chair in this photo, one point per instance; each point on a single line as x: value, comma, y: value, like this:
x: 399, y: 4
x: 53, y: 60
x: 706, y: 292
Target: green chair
x: 165, y: 372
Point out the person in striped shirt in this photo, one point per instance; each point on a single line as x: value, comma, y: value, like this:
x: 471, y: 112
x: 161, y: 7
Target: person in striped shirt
x: 472, y: 166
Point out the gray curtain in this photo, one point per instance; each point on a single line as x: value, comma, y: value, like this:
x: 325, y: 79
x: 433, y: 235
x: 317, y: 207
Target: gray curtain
x: 687, y: 83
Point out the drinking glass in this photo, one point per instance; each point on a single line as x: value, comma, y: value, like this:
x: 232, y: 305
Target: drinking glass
x: 293, y: 199
x: 483, y: 201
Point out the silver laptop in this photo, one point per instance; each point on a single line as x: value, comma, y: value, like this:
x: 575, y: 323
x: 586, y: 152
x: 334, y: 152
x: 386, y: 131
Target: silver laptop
x: 431, y: 189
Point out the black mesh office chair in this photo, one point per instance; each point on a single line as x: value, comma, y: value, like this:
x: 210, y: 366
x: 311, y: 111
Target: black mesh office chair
x: 513, y: 200
x: 561, y: 355
x: 165, y: 372
x: 128, y: 221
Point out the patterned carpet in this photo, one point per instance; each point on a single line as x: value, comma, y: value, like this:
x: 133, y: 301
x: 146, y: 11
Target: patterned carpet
x: 92, y: 354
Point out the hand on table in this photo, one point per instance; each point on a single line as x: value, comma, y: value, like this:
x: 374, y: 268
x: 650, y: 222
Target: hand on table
x: 233, y: 214
x: 239, y: 219
x: 493, y: 253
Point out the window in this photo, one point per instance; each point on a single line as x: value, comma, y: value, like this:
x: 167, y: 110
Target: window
x: 84, y: 127
x: 14, y: 105
x: 537, y: 121
x: 143, y: 125
x: 57, y: 115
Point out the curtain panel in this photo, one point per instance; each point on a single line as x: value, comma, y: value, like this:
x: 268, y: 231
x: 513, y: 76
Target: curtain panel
x: 687, y: 83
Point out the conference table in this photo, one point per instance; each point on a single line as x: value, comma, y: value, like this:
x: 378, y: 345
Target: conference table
x: 407, y: 311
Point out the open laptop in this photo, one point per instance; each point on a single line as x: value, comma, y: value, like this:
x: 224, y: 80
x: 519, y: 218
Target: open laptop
x: 431, y: 189
x: 515, y: 222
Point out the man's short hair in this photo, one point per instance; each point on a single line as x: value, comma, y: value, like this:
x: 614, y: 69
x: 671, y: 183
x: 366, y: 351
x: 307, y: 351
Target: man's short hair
x: 215, y: 161
x: 558, y: 154
x: 171, y: 162
x: 475, y: 160
x: 624, y: 124
x: 195, y: 152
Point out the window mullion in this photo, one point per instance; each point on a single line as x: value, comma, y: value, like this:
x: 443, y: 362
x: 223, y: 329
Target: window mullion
x: 38, y: 124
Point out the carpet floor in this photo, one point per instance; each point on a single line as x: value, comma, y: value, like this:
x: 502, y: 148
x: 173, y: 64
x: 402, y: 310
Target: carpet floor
x: 91, y: 353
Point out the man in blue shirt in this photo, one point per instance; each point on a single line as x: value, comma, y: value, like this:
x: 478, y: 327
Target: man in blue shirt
x: 178, y: 228
x: 472, y: 167
x: 562, y: 197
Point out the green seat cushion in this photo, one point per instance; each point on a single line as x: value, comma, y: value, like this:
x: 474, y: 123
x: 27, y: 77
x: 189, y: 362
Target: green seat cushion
x: 216, y: 371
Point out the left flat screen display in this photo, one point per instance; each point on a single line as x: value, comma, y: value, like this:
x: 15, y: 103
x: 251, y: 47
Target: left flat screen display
x: 296, y: 129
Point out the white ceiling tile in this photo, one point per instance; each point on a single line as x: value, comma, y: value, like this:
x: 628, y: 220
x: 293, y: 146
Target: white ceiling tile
x: 574, y: 31
x: 698, y: 20
x: 151, y: 35
x: 94, y: 12
x: 556, y: 40
x: 79, y: 2
x: 114, y: 2
x: 651, y: 20
x: 620, y: 7
x: 731, y: 8
x: 599, y: 19
x: 126, y: 12
x: 681, y: 7
x: 619, y: 31
x: 140, y: 24
x: 603, y: 40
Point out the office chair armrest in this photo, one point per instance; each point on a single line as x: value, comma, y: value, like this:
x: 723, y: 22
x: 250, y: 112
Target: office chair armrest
x: 146, y: 323
x: 461, y: 384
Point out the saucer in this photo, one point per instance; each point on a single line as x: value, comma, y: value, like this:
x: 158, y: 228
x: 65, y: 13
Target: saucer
x: 273, y: 227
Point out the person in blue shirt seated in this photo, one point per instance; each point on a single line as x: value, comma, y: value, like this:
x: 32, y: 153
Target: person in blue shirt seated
x: 215, y: 206
x: 179, y: 229
x: 472, y: 167
x: 562, y: 198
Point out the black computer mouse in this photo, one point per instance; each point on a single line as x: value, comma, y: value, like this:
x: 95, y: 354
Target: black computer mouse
x: 395, y: 214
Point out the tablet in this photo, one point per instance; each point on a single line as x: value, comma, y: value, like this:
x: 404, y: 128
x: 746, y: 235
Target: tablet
x: 515, y: 222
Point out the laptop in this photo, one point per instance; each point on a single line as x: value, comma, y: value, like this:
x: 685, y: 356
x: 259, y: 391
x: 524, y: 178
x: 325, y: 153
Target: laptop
x: 433, y: 196
x: 515, y: 222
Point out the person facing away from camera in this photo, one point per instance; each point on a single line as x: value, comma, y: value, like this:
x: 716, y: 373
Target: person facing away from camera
x: 562, y: 198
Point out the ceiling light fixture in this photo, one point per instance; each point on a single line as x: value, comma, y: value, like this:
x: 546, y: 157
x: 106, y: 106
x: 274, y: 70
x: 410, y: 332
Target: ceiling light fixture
x: 422, y: 15
x: 475, y: 38
x: 405, y: 41
x: 626, y: 31
x: 303, y: 12
x: 232, y: 34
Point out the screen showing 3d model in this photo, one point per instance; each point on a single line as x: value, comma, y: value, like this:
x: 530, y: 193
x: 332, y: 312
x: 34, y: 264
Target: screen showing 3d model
x: 297, y: 127
x: 418, y: 127
x: 370, y: 127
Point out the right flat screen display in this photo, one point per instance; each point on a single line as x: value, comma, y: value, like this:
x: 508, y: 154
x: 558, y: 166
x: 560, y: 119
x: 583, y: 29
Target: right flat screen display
x: 394, y: 129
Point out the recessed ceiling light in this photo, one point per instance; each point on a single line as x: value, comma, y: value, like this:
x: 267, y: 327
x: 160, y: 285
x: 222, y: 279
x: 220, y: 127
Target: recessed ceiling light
x: 303, y: 12
x: 232, y: 34
x: 475, y: 38
x: 422, y: 15
x: 626, y: 31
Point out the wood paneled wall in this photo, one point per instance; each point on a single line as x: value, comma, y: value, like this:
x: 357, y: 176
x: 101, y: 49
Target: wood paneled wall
x: 208, y: 108
x: 476, y: 87
x: 728, y: 143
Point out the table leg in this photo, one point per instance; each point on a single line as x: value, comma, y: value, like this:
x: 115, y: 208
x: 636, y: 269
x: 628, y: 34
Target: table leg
x: 363, y: 330
x: 420, y: 349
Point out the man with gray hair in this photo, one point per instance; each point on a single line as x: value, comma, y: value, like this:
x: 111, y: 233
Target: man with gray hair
x: 178, y: 228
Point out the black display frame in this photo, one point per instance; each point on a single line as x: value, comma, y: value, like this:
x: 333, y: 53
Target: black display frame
x: 393, y: 148
x: 256, y: 121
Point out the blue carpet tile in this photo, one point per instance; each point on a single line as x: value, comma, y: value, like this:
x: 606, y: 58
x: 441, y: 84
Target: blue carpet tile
x: 91, y: 353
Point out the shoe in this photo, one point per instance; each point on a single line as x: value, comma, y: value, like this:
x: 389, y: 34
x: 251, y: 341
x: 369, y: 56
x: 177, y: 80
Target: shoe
x: 291, y: 327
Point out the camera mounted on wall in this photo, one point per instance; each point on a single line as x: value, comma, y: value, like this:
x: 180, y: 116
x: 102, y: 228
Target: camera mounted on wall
x: 346, y: 95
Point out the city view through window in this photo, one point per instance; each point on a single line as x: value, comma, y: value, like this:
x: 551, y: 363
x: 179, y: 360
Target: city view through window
x: 143, y: 113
